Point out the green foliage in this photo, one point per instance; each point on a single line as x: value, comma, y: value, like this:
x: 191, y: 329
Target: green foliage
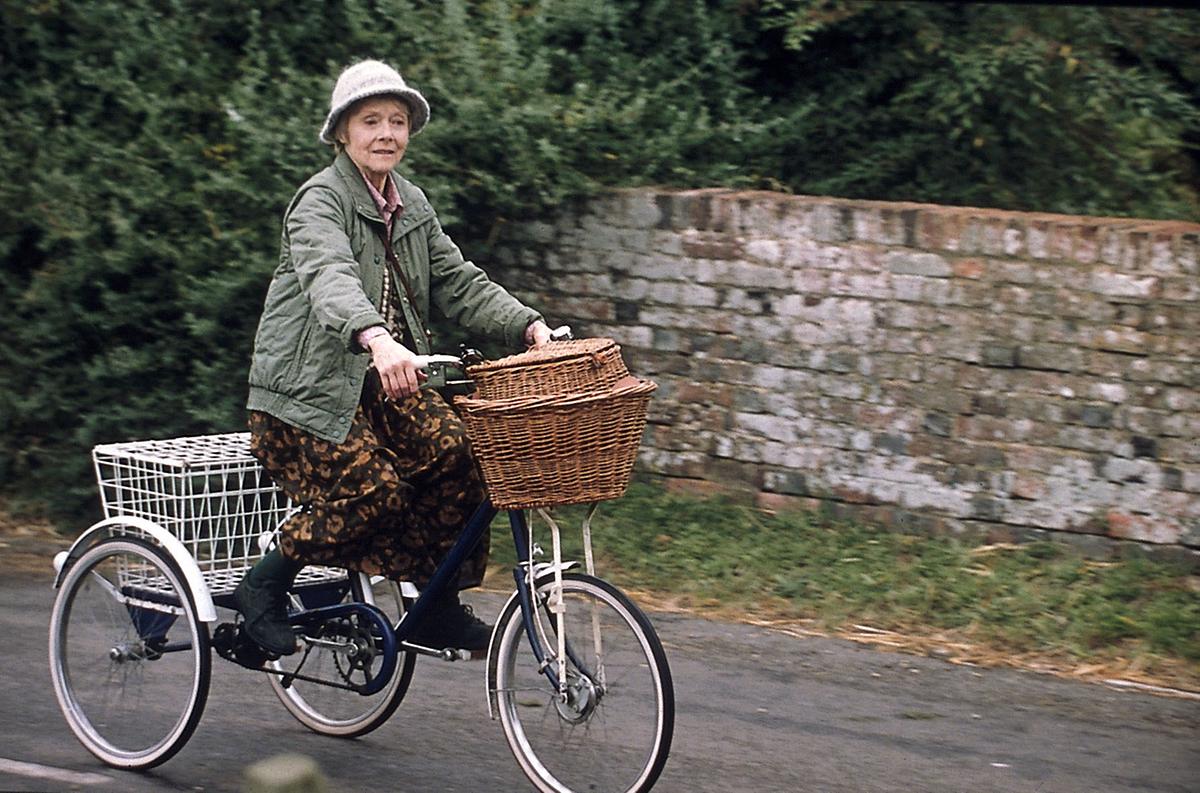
x: 1081, y: 110
x: 137, y: 227
x: 1040, y: 597
x: 147, y: 150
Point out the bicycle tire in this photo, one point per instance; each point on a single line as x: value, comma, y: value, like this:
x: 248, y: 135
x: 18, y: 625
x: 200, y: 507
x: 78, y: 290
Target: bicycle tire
x: 615, y: 732
x: 337, y: 712
x: 118, y: 653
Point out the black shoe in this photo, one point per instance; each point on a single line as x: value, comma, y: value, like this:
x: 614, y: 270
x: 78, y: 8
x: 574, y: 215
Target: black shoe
x: 262, y: 600
x: 451, y: 624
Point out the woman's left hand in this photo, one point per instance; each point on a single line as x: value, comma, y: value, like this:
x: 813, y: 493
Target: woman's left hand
x: 537, y: 334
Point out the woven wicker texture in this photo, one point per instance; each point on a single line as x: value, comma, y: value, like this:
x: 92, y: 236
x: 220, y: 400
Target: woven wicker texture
x: 560, y: 367
x: 549, y: 449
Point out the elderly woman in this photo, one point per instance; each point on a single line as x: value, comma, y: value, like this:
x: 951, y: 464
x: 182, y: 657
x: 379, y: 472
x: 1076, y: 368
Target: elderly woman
x: 337, y: 417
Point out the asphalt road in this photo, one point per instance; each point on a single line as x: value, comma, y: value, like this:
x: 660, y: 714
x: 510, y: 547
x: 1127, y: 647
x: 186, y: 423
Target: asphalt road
x: 757, y: 711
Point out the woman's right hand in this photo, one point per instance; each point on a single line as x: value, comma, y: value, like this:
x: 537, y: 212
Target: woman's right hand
x: 397, y: 367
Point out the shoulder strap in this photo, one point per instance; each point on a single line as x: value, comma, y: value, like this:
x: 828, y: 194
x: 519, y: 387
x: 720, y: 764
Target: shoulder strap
x: 381, y: 230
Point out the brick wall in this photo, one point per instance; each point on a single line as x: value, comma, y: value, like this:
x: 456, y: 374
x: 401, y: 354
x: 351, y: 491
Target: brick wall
x: 940, y: 369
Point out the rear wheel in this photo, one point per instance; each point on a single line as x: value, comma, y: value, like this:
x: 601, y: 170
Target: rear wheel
x: 129, y: 659
x: 330, y: 710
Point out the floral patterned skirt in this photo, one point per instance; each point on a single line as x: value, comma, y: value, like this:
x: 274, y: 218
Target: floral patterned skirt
x: 390, y: 500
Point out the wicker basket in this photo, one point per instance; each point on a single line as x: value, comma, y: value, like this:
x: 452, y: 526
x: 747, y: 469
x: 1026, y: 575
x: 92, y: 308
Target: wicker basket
x: 559, y: 367
x: 538, y: 451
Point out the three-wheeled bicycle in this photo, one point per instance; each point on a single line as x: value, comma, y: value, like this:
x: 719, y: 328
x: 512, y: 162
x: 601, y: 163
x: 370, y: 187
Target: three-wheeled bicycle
x: 575, y: 673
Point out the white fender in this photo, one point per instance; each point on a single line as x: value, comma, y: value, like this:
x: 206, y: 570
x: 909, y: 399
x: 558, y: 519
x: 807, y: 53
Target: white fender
x: 493, y: 661
x: 110, y: 527
x: 540, y: 569
x: 408, y: 590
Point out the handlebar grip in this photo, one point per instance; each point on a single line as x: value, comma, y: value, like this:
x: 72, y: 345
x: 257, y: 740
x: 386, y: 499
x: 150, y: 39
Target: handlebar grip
x: 425, y: 361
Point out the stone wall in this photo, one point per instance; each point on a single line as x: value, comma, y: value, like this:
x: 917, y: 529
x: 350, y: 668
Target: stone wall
x: 937, y: 369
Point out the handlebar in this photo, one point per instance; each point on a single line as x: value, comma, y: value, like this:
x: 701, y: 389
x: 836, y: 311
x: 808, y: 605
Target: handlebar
x: 427, y: 361
x: 470, y: 357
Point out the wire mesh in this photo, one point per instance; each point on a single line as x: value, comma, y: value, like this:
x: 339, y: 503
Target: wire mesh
x: 206, y: 490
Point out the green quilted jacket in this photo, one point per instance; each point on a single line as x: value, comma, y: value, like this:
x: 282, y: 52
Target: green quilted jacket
x: 307, y: 368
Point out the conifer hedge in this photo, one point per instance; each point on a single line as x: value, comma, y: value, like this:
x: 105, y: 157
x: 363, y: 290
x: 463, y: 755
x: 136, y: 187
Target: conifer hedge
x: 148, y: 148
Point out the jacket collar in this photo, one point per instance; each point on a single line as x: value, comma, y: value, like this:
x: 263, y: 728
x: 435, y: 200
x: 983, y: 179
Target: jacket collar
x: 416, y: 206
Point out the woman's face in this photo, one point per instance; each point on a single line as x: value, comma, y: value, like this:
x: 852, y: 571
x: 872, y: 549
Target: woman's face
x: 375, y: 134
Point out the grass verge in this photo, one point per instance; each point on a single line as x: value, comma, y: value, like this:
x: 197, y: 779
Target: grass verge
x: 1039, y: 605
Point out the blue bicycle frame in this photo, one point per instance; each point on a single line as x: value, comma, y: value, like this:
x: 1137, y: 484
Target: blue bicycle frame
x: 448, y: 569
x: 319, y: 604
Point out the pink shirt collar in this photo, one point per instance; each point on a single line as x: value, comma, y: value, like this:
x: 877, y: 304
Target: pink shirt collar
x: 388, y: 202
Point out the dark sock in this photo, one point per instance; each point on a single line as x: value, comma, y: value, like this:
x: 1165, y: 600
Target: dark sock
x: 277, y: 567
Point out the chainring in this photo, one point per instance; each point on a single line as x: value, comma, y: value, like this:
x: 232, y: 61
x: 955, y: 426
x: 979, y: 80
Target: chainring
x: 349, y: 630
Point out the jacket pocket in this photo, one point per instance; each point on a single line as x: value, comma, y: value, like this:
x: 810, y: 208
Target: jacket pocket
x: 319, y: 377
x: 299, y: 355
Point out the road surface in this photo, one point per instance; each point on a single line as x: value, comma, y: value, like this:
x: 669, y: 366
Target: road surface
x: 757, y: 711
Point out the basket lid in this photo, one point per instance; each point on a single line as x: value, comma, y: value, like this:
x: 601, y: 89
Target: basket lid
x: 550, y: 352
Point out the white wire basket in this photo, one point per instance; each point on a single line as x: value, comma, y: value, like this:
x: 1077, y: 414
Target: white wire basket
x: 208, y: 491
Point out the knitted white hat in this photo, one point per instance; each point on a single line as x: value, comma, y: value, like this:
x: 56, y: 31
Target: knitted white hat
x: 372, y: 78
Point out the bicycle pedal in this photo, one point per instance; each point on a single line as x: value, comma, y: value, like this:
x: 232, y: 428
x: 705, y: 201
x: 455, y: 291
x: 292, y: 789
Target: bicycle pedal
x: 460, y: 654
x: 232, y: 644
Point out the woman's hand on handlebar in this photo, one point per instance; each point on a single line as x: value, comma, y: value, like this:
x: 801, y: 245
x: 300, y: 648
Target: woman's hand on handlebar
x: 537, y: 334
x: 400, y: 371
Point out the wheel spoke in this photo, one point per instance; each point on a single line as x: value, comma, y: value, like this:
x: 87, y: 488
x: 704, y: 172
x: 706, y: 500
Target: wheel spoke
x: 129, y: 703
x: 612, y: 739
x: 340, y: 711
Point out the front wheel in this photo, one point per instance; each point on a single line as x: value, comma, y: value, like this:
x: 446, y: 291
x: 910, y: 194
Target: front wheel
x: 609, y: 727
x: 129, y: 659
